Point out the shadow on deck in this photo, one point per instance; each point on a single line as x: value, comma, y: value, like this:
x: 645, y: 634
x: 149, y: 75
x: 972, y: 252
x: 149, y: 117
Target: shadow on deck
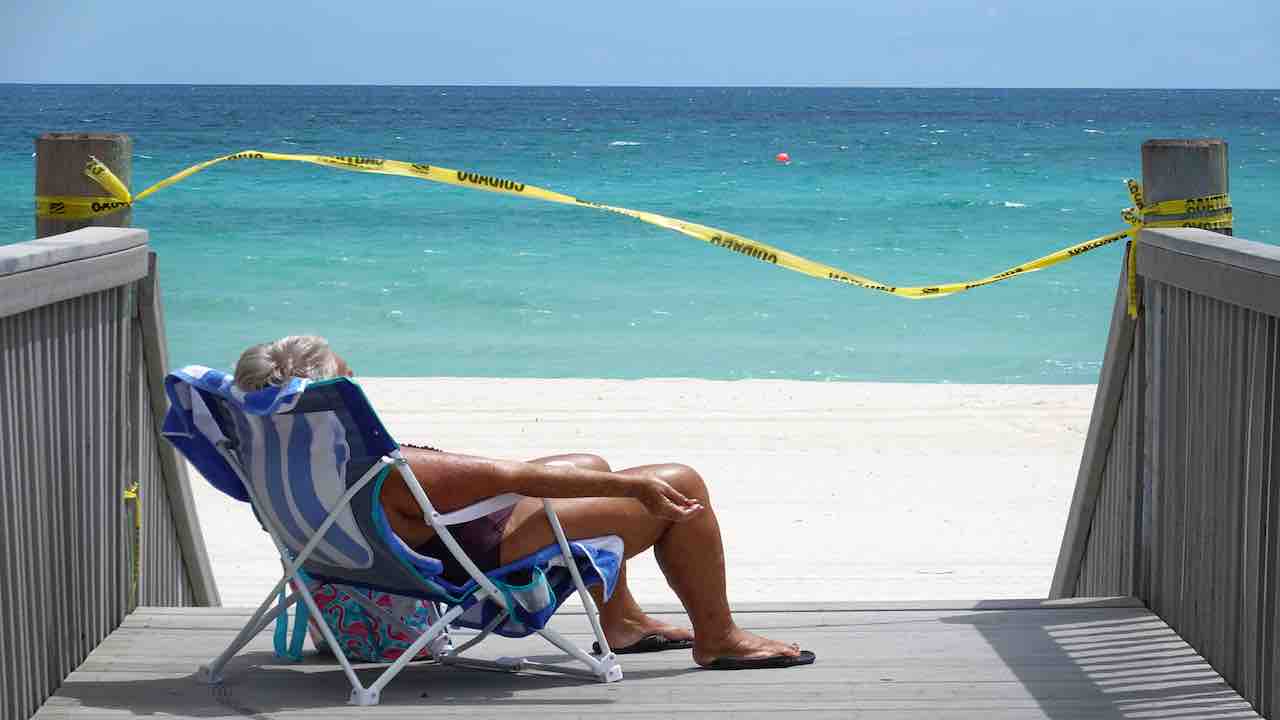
x: 1108, y: 658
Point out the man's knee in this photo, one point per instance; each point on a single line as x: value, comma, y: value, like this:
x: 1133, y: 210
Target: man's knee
x: 589, y: 461
x: 685, y: 479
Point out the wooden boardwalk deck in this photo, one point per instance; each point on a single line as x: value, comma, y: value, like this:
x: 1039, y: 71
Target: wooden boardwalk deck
x: 990, y: 660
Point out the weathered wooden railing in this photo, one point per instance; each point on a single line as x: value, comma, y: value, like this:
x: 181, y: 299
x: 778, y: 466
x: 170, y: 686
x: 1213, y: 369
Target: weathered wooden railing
x: 1178, y: 499
x: 82, y: 355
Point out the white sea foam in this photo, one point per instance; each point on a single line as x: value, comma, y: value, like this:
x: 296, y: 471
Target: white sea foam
x: 1080, y: 366
x: 624, y: 143
x: 144, y: 157
x: 1091, y: 131
x: 1014, y: 204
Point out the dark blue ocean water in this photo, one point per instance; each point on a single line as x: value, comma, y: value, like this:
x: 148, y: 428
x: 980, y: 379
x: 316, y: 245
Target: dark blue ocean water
x: 908, y: 186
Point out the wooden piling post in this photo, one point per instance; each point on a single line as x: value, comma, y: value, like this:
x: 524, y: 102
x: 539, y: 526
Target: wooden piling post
x: 1181, y: 169
x: 60, y: 160
x: 1171, y: 170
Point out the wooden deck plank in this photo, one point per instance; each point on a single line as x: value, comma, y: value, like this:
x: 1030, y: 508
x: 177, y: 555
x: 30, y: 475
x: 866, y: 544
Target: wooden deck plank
x: 1035, y: 662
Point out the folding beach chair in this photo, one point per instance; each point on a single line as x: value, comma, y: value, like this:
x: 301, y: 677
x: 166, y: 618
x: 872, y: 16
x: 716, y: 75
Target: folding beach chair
x: 311, y: 457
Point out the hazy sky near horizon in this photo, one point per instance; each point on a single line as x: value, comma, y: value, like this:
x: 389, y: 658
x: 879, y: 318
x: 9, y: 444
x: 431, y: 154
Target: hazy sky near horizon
x: 971, y: 43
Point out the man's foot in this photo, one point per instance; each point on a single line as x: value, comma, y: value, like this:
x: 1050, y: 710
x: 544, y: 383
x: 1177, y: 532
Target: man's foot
x: 627, y: 632
x: 740, y: 649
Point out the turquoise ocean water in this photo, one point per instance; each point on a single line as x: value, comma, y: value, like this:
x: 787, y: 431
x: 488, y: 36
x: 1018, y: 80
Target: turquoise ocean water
x: 409, y: 278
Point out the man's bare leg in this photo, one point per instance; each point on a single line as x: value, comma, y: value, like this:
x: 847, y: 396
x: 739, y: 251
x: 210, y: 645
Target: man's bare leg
x: 623, y: 620
x: 690, y: 554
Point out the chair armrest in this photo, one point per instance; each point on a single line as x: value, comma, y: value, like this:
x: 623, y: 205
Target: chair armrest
x: 480, y: 509
x: 493, y: 504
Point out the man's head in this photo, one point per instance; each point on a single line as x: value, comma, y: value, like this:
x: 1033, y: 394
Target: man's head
x: 300, y: 356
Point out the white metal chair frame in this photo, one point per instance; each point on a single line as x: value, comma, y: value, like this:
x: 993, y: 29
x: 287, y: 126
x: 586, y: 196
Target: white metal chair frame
x: 603, y: 668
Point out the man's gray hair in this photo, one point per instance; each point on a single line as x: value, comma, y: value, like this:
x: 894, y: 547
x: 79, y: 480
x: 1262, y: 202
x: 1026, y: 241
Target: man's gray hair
x: 296, y: 356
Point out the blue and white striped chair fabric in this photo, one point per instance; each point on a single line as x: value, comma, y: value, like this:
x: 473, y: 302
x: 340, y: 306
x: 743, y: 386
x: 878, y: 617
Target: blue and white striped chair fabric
x: 298, y: 450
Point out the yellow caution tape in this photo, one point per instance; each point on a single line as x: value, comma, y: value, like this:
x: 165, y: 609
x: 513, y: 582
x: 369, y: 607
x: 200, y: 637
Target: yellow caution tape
x: 77, y: 208
x: 134, y: 498
x: 102, y: 175
x: 1213, y: 212
x: 1207, y: 204
x: 1210, y: 212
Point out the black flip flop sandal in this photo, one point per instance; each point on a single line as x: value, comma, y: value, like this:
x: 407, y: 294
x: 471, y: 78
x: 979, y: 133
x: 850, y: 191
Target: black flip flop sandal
x: 773, y: 661
x: 647, y: 644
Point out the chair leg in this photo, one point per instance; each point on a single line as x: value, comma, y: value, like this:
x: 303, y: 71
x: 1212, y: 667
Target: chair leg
x: 502, y: 664
x: 359, y: 695
x: 211, y: 672
x: 370, y: 695
x: 606, y: 668
x: 442, y: 645
x: 484, y: 633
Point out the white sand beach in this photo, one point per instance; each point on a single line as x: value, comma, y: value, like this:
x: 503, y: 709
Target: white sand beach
x: 825, y: 491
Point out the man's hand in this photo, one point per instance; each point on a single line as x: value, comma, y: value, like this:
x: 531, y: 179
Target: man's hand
x: 664, y: 501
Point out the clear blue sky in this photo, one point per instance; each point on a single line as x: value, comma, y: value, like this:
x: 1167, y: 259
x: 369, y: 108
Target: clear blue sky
x: 982, y: 43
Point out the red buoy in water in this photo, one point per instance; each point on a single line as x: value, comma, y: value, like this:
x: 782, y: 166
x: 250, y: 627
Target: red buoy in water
x: 782, y: 158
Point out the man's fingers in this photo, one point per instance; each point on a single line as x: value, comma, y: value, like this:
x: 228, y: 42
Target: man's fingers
x: 690, y: 505
x: 671, y: 504
x: 683, y: 511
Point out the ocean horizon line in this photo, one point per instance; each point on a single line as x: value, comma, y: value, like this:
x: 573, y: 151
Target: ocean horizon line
x: 849, y: 85
x: 692, y: 379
